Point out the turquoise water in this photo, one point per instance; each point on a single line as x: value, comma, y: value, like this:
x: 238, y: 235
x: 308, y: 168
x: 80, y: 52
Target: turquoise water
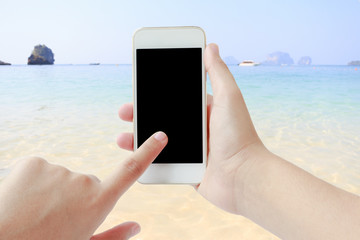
x: 306, y: 114
x: 297, y: 90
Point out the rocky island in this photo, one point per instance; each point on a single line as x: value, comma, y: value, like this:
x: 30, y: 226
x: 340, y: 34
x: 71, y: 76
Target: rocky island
x: 230, y: 60
x: 4, y: 63
x: 278, y: 58
x: 41, y: 55
x: 354, y: 63
x: 305, y: 61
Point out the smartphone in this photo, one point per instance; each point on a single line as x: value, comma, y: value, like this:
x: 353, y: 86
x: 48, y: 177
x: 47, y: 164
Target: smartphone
x: 169, y: 85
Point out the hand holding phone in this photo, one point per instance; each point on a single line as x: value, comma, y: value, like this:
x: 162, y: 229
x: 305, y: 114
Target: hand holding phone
x: 232, y: 139
x: 170, y: 96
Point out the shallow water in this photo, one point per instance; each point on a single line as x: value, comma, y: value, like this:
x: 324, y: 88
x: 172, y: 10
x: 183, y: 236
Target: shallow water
x: 68, y: 115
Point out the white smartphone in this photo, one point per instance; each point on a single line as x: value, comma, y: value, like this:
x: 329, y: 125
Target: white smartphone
x: 169, y: 85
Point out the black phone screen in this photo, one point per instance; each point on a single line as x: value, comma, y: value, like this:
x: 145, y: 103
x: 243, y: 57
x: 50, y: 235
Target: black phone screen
x: 169, y: 99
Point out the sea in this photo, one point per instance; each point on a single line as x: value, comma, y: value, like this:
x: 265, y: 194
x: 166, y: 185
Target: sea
x: 68, y: 114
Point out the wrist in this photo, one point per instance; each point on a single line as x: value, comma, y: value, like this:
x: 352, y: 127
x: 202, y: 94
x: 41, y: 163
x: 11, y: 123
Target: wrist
x: 250, y: 175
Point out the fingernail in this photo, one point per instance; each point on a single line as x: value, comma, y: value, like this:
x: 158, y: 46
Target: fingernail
x: 135, y: 230
x: 160, y: 136
x: 214, y: 48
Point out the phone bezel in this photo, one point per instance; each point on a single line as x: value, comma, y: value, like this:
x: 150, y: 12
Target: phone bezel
x: 172, y: 37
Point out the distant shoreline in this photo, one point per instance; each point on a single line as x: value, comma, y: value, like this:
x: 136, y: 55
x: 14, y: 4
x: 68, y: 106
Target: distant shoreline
x: 123, y: 64
x: 68, y: 64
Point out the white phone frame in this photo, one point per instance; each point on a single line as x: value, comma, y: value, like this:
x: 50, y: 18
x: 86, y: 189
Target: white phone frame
x: 172, y: 37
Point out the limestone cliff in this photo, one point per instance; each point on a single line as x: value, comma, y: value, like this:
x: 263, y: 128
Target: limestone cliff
x: 354, y: 63
x: 41, y: 55
x: 4, y: 63
x: 304, y: 61
x: 278, y: 58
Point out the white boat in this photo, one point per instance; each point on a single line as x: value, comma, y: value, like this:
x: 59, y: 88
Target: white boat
x: 248, y: 63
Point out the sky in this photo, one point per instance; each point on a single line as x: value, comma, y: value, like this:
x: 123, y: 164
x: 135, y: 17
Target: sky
x: 80, y: 32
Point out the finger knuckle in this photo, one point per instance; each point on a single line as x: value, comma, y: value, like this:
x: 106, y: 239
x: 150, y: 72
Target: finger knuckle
x: 84, y: 180
x: 149, y: 147
x: 93, y: 177
x: 32, y: 162
x: 133, y: 167
x: 62, y: 171
x: 36, y: 160
x: 88, y: 187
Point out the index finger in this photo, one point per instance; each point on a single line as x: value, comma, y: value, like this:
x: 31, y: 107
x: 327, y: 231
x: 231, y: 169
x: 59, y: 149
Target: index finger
x: 133, y: 167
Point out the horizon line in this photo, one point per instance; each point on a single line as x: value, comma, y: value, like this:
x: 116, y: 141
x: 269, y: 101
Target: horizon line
x: 88, y: 64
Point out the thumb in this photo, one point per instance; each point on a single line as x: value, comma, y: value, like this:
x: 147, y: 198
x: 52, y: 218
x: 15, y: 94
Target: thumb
x: 123, y: 231
x: 222, y: 81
